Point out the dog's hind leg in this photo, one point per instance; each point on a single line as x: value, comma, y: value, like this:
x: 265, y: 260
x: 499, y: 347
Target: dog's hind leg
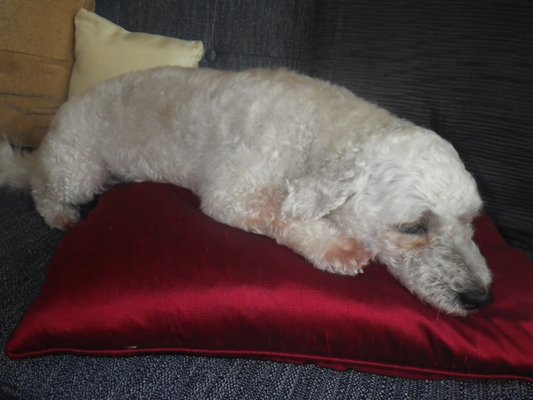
x: 60, y: 183
x: 56, y: 214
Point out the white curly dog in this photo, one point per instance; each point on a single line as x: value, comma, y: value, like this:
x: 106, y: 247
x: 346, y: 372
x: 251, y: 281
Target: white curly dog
x: 335, y: 178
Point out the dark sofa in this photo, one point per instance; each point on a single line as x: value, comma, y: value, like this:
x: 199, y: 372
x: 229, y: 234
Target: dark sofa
x: 464, y: 69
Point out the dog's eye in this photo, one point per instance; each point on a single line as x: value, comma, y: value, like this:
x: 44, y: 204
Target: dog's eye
x: 414, y: 229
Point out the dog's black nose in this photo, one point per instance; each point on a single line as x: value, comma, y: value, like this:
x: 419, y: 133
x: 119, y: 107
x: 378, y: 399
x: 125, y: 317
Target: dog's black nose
x: 474, y: 299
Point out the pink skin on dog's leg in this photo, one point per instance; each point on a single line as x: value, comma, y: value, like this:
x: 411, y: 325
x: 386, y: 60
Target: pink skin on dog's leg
x: 319, y: 241
x: 348, y: 253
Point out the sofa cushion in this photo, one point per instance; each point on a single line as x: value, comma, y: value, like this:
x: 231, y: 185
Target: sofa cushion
x: 36, y: 55
x: 148, y: 272
x: 105, y: 50
x: 463, y: 69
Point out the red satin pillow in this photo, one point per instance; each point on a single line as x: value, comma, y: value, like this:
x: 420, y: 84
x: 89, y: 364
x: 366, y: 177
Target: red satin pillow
x: 147, y: 272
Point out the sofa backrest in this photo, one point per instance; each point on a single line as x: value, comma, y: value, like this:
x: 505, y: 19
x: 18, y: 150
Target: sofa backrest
x: 461, y: 68
x: 237, y: 34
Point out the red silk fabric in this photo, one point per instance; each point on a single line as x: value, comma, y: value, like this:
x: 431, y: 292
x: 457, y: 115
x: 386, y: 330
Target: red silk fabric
x: 148, y: 272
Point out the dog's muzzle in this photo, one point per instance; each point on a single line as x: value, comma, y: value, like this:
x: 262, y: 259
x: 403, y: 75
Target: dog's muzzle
x: 474, y: 299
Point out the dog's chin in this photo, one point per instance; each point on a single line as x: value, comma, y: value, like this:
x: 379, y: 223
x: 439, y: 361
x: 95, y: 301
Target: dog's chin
x: 437, y: 293
x: 444, y: 299
x: 448, y: 302
x: 452, y: 308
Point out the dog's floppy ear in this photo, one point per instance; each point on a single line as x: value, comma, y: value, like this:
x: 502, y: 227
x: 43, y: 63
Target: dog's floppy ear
x: 319, y: 192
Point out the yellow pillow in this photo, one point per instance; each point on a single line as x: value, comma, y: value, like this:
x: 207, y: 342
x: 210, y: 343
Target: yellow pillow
x: 105, y: 50
x: 36, y: 56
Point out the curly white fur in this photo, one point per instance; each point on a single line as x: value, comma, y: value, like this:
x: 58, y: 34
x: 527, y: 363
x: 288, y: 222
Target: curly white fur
x: 337, y: 179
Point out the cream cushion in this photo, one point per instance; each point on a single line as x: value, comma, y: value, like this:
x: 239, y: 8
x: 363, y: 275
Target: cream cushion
x: 104, y: 50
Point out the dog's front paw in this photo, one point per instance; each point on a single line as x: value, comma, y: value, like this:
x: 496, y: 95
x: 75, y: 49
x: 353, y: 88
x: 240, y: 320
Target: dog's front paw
x: 321, y: 243
x: 345, y: 257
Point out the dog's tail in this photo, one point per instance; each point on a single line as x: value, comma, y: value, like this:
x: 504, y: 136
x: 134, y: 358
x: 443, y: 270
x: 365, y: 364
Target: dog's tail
x: 15, y: 166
